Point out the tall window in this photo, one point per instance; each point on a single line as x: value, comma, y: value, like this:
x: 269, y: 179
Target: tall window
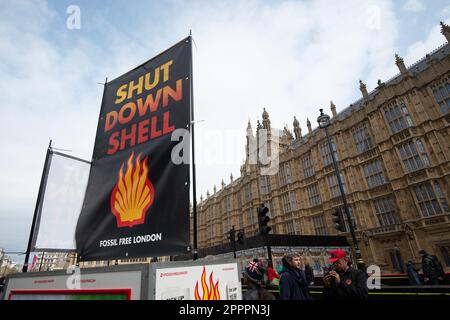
x: 290, y: 225
x: 229, y: 221
x: 352, y: 217
x: 373, y: 172
x: 229, y: 204
x: 314, y: 195
x: 289, y: 202
x: 211, y: 231
x: 285, y: 174
x: 264, y: 185
x: 319, y: 225
x: 308, y: 167
x: 241, y: 221
x: 413, y: 155
x: 442, y: 95
x: 334, y: 185
x: 445, y: 253
x: 239, y: 200
x: 362, y: 139
x: 248, y: 192
x: 268, y: 204
x: 431, y: 200
x: 326, y: 154
x: 386, y: 213
x: 398, y: 117
x: 250, y: 217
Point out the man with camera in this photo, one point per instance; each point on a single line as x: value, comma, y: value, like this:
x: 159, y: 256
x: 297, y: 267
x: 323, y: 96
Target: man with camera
x: 342, y: 282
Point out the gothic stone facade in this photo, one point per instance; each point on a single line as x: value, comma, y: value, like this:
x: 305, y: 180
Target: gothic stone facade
x: 393, y: 151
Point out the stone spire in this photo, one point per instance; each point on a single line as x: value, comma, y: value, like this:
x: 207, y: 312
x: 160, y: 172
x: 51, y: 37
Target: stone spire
x: 400, y: 64
x: 363, y: 88
x: 201, y: 198
x: 266, y: 120
x: 231, y: 177
x: 297, y: 129
x: 308, y: 124
x: 288, y: 132
x: 214, y: 189
x: 207, y: 193
x: 445, y: 30
x: 249, y: 148
x: 333, y: 109
x: 223, y: 184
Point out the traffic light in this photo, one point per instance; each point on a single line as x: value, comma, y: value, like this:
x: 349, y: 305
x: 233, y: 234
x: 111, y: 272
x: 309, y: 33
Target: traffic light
x: 231, y: 236
x: 263, y: 219
x: 241, y: 237
x: 338, y: 220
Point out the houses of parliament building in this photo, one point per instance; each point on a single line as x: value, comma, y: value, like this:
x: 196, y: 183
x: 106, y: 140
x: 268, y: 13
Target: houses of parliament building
x: 393, y: 151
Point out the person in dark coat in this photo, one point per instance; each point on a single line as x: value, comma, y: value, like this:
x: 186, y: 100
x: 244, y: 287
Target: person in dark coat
x: 293, y: 284
x: 343, y: 282
x: 432, y: 269
x: 439, y: 269
x: 413, y: 274
x: 253, y: 278
x: 309, y: 274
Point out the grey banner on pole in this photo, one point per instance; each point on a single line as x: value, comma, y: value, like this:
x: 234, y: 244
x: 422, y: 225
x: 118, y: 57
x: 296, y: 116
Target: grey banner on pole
x: 61, y: 203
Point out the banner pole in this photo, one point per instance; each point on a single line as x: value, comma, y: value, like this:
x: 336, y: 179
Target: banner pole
x: 194, y: 193
x: 38, y: 201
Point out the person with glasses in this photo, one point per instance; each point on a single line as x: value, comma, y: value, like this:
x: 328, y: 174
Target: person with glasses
x: 342, y: 282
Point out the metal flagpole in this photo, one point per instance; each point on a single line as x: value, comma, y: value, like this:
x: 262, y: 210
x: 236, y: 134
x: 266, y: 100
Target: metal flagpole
x: 194, y: 193
x: 36, y: 210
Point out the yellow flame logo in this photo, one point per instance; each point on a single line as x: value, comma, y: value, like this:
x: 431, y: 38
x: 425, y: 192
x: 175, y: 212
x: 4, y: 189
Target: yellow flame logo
x: 133, y: 193
x: 210, y: 292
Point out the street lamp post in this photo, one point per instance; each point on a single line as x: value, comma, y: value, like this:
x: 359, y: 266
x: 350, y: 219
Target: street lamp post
x: 324, y: 122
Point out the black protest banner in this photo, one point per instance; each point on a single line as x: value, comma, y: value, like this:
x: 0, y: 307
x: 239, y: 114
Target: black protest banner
x: 137, y: 198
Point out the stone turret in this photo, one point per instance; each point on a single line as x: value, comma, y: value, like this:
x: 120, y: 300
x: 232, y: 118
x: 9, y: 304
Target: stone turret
x: 445, y: 30
x: 363, y: 88
x: 308, y: 124
x: 266, y: 120
x: 297, y: 129
x: 400, y: 64
x: 333, y: 109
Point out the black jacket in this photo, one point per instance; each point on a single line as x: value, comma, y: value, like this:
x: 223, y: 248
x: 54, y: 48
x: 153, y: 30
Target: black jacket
x: 293, y: 285
x: 309, y: 274
x: 353, y: 286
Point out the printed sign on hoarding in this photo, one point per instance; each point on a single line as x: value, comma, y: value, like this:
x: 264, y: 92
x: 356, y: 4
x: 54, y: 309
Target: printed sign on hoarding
x: 206, y: 282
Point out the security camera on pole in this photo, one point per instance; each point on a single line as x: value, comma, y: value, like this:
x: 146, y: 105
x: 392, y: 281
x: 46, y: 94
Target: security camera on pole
x: 324, y: 123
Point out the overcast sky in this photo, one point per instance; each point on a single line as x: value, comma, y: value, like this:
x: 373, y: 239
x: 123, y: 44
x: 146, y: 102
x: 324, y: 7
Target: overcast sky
x: 291, y: 57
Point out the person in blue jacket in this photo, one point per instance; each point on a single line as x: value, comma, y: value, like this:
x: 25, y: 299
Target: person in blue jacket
x: 413, y: 274
x: 293, y: 284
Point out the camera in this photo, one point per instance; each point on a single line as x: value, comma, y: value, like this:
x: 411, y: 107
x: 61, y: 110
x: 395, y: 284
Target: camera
x: 326, y: 270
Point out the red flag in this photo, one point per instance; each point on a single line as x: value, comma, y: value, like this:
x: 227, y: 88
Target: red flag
x: 33, y: 263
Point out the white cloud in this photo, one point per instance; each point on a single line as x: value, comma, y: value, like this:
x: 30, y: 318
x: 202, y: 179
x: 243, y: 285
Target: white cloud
x: 414, y: 6
x: 290, y: 57
x: 419, y: 49
x: 445, y: 13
